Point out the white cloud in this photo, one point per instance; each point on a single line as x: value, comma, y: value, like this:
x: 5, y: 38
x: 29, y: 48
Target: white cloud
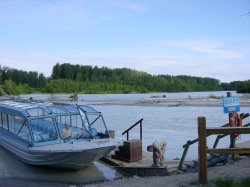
x: 209, y: 47
x: 43, y: 61
x: 59, y: 12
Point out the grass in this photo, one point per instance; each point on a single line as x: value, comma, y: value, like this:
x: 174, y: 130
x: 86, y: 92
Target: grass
x: 194, y: 183
x: 178, y: 172
x: 237, y: 158
x: 228, y: 182
x: 224, y: 182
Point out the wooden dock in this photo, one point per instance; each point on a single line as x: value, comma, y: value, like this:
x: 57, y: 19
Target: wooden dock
x: 143, y: 167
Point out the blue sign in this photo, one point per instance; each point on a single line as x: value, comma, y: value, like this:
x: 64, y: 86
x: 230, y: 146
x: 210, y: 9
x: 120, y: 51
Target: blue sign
x: 231, y: 104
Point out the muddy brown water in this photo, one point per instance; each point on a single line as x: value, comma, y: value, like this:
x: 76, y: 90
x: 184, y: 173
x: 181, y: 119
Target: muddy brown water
x: 13, y: 168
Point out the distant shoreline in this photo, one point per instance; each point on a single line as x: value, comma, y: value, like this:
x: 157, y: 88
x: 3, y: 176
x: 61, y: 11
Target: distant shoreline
x: 153, y: 101
x: 177, y: 102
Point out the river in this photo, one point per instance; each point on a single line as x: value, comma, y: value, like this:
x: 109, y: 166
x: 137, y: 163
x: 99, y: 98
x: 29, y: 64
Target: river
x: 176, y: 124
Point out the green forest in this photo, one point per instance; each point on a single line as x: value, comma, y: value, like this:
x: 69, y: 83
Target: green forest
x: 68, y: 78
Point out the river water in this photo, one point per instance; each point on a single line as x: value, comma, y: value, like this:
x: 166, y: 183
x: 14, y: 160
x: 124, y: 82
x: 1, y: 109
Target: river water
x: 176, y: 125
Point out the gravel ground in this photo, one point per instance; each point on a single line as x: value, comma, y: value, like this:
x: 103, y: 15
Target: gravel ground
x: 236, y: 170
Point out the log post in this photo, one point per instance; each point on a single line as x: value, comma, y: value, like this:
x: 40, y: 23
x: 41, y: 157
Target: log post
x: 184, y: 155
x: 232, y: 137
x: 202, y: 150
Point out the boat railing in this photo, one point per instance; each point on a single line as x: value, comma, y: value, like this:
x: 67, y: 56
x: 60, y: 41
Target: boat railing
x: 127, y: 131
x: 190, y: 142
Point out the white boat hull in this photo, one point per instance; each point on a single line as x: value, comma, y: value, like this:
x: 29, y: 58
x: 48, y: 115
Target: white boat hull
x: 68, y: 155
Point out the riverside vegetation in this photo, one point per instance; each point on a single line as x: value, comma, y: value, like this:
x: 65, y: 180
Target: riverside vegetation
x: 68, y: 78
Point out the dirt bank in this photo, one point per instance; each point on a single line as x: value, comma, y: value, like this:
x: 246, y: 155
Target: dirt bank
x: 244, y: 101
x: 236, y: 170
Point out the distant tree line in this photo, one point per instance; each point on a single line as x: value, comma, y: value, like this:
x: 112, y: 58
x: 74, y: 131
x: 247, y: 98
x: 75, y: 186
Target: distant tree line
x: 239, y: 86
x: 68, y: 78
x: 32, y: 78
x: 15, y: 82
x: 90, y: 79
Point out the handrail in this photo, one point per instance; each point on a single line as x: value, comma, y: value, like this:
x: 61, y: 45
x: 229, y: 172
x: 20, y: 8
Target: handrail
x: 190, y: 142
x: 127, y: 131
x: 203, y: 131
x: 224, y: 135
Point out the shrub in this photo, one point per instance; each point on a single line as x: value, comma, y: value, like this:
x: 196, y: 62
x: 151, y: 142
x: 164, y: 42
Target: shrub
x: 11, y: 88
x: 25, y: 89
x: 62, y: 85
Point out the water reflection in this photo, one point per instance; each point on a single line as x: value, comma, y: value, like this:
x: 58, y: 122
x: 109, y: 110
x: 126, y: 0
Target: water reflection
x: 11, y: 167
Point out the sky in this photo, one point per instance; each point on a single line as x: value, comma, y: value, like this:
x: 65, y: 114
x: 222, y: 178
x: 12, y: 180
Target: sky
x: 205, y: 38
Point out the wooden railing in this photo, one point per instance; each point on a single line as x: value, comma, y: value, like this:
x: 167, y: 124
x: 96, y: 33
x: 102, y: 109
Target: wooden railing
x: 190, y: 142
x: 203, y: 132
x: 127, y: 131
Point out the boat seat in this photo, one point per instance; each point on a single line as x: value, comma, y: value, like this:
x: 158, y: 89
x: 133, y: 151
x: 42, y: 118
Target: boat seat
x: 95, y: 133
x: 37, y: 138
x: 40, y: 136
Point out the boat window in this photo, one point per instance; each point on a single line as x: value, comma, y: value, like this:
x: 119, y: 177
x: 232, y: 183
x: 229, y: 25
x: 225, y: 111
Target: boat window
x: 12, y: 124
x: 5, y: 121
x: 1, y: 121
x: 84, y: 120
x: 37, y: 112
x: 24, y: 131
x: 88, y: 109
x: 43, y: 129
x: 70, y: 108
x: 56, y: 109
x: 75, y: 125
x: 76, y: 121
x: 15, y: 123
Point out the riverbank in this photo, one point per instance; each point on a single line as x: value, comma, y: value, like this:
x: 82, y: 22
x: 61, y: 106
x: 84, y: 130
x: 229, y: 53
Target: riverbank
x: 244, y: 101
x: 161, y: 100
x: 237, y: 170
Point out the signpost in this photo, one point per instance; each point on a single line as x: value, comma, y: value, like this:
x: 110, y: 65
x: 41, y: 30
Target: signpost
x: 231, y: 104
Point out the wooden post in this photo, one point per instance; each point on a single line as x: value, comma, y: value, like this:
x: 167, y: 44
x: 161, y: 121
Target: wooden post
x: 184, y: 155
x: 232, y: 137
x: 202, y: 150
x: 217, y: 141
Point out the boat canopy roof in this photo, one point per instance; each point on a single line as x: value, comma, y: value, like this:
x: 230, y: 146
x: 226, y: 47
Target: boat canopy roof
x: 36, y: 109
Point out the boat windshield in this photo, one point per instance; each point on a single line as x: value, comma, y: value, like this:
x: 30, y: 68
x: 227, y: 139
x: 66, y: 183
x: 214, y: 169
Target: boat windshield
x: 96, y: 122
x: 76, y: 126
x: 97, y: 125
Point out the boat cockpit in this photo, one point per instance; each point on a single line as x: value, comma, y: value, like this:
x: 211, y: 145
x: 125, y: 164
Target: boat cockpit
x: 42, y: 123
